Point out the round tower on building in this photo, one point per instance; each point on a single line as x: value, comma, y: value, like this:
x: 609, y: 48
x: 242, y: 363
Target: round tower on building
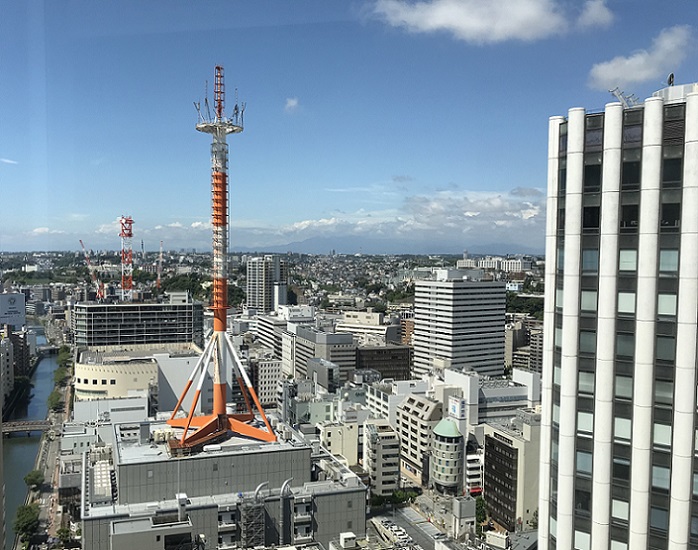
x: 447, y: 453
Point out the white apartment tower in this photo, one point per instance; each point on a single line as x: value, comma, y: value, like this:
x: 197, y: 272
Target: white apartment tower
x: 267, y: 283
x: 618, y: 442
x: 460, y: 325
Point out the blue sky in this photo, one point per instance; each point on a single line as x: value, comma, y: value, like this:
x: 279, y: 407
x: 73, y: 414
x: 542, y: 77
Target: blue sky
x: 380, y: 126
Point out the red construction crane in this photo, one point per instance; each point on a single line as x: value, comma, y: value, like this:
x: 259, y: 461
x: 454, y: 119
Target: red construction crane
x: 93, y: 273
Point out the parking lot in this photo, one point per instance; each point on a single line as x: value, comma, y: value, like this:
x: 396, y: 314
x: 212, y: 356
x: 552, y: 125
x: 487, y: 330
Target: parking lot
x: 407, y: 528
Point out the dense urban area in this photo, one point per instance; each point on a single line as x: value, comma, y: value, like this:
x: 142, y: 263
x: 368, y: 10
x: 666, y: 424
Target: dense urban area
x: 332, y: 347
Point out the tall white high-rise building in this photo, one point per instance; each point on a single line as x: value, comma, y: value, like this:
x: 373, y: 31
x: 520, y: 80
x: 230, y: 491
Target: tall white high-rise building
x: 267, y: 283
x: 618, y: 443
x: 460, y: 325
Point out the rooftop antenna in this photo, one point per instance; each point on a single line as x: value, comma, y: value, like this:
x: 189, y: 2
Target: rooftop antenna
x: 626, y: 100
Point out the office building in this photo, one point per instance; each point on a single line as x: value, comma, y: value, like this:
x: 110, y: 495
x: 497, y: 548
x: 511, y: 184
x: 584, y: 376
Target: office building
x: 381, y: 457
x: 511, y: 470
x: 416, y: 417
x: 458, y: 324
x: 267, y: 283
x: 6, y: 366
x: 103, y: 326
x: 619, y: 387
x: 301, y: 343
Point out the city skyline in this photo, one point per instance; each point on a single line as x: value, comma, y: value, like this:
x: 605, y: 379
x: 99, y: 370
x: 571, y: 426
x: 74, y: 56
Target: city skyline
x: 386, y: 115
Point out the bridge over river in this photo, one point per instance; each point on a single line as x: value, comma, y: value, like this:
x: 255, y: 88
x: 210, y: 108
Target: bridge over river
x: 25, y: 426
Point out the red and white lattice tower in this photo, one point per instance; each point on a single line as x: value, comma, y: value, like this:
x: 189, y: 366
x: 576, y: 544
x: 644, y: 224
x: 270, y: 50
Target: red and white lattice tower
x: 219, y: 350
x: 126, y: 258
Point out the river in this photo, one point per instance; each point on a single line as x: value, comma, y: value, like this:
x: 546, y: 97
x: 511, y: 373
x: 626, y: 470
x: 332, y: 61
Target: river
x: 19, y: 452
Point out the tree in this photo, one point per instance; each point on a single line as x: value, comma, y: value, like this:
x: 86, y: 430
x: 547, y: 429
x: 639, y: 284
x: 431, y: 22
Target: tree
x: 55, y: 403
x: 64, y: 535
x: 59, y: 376
x: 480, y: 510
x: 27, y: 520
x: 64, y: 356
x: 34, y: 478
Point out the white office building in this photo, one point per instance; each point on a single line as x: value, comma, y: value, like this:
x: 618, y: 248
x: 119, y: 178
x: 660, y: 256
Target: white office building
x: 619, y: 369
x: 459, y: 324
x: 267, y: 283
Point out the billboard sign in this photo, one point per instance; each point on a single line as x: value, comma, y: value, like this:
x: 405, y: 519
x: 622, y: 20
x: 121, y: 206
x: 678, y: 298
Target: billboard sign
x: 12, y: 309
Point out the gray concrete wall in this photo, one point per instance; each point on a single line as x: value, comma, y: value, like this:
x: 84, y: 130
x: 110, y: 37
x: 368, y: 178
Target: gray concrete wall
x: 211, y: 474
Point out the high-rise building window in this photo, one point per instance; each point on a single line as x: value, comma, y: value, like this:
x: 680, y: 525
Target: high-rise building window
x: 582, y: 501
x: 591, y: 219
x: 622, y: 429
x: 659, y: 518
x: 588, y: 300
x: 627, y: 260
x: 585, y: 423
x: 661, y: 435
x: 586, y: 383
x: 624, y: 387
x: 620, y: 509
x: 668, y: 261
x: 625, y: 345
x: 621, y: 468
x: 592, y: 172
x: 660, y: 477
x: 666, y: 305
x: 629, y: 218
x: 666, y: 348
x: 583, y: 462
x: 587, y: 341
x: 626, y: 303
x: 671, y: 216
x: 590, y: 260
x: 630, y: 175
x: 663, y: 392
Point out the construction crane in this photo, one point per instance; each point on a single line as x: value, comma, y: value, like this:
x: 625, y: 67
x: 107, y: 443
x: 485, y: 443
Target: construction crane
x: 159, y: 266
x: 93, y: 273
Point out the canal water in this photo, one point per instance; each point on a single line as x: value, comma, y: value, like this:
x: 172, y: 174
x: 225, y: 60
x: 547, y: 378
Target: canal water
x: 19, y: 451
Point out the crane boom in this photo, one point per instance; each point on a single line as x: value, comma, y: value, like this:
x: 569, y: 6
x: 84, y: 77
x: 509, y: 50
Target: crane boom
x: 93, y: 273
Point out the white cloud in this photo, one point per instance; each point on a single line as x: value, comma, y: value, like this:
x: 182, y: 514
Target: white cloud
x: 46, y: 231
x: 445, y: 216
x: 111, y: 228
x: 476, y: 21
x: 667, y: 52
x: 8, y: 161
x: 292, y: 104
x: 201, y: 225
x: 595, y: 14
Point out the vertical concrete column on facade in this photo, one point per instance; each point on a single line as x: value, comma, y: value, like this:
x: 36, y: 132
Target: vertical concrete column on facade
x: 645, y: 333
x: 606, y: 328
x: 685, y: 371
x: 549, y: 332
x: 570, y: 329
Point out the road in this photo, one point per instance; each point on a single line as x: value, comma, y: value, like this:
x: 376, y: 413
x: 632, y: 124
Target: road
x: 416, y: 526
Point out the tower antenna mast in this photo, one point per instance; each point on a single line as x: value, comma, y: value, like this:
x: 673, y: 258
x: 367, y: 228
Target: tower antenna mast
x: 219, y: 349
x: 126, y: 235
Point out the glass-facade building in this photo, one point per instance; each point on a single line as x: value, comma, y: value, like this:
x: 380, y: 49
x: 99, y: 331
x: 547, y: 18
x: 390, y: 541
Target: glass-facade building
x: 618, y: 444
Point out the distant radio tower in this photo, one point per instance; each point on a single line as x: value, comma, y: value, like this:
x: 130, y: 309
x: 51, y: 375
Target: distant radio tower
x: 159, y: 266
x: 219, y: 349
x: 126, y: 258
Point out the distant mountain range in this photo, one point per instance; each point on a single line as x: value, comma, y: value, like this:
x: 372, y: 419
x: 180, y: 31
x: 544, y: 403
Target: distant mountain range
x: 358, y: 245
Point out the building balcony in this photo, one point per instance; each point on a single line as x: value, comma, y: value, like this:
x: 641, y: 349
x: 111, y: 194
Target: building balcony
x: 227, y: 525
x: 302, y: 517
